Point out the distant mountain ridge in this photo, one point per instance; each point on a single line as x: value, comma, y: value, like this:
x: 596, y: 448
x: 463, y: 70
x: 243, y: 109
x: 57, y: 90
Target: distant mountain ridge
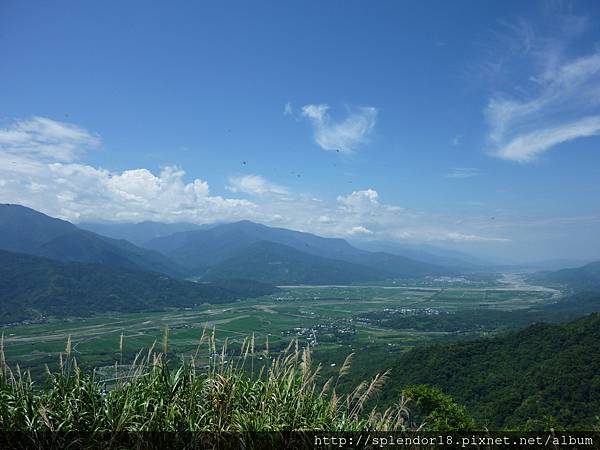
x: 427, y: 253
x: 586, y: 277
x: 200, y: 249
x: 235, y: 250
x: 275, y: 263
x: 138, y: 233
x: 25, y: 230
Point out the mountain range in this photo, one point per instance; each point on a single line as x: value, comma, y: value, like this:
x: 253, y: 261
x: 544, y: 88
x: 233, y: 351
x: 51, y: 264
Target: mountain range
x: 586, y: 277
x: 235, y: 250
x: 51, y: 267
x: 431, y: 254
x: 143, y: 232
x: 138, y: 233
x: 226, y: 246
x: 240, y: 250
x: 25, y: 230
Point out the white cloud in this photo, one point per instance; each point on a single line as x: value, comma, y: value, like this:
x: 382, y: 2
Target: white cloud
x: 287, y: 109
x: 460, y: 237
x: 345, y: 135
x: 462, y: 172
x: 360, y: 230
x: 46, y: 138
x: 254, y: 185
x: 362, y: 213
x: 557, y: 101
x: 37, y: 170
x: 360, y: 199
x: 526, y: 147
x: 80, y: 192
x: 436, y: 234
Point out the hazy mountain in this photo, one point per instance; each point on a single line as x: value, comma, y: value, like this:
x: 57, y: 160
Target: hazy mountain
x: 427, y: 253
x: 586, y: 277
x: 199, y: 249
x: 211, y: 246
x: 279, y: 264
x: 556, y: 264
x: 25, y: 230
x: 31, y: 287
x: 138, y: 233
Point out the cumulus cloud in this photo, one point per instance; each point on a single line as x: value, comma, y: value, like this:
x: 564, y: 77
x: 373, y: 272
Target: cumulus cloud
x: 345, y: 135
x: 556, y: 102
x: 81, y: 192
x: 37, y: 169
x: 254, y: 185
x: 360, y: 199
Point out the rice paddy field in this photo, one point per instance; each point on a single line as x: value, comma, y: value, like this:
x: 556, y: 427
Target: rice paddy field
x: 329, y: 318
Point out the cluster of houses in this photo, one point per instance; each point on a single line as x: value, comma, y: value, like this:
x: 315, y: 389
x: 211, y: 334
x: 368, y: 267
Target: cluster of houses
x: 311, y: 334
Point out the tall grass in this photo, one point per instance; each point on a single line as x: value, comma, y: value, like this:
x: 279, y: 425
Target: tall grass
x: 252, y: 391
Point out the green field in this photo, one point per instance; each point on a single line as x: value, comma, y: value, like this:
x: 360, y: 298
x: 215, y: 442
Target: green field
x: 330, y: 318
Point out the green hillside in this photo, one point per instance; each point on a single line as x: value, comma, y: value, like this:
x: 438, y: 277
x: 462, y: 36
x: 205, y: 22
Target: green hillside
x: 283, y: 265
x: 579, y: 278
x: 31, y: 287
x: 25, y: 230
x: 542, y: 370
x: 196, y: 250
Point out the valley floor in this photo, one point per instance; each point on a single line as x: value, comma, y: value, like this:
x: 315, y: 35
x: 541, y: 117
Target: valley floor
x: 334, y: 320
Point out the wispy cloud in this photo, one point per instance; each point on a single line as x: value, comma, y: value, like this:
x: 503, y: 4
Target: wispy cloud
x: 462, y: 172
x: 254, y: 185
x: 556, y: 98
x: 46, y: 138
x: 526, y: 147
x: 288, y: 109
x: 345, y: 135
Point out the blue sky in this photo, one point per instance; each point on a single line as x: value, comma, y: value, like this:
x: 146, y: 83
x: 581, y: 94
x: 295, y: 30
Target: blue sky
x: 470, y: 125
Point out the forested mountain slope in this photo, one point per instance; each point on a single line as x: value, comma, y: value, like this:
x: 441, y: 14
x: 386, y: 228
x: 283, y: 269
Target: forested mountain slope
x: 32, y: 287
x: 25, y: 230
x: 542, y: 370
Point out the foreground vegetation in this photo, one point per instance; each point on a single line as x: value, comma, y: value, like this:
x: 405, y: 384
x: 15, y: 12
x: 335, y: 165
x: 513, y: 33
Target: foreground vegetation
x: 280, y: 393
x: 217, y: 389
x: 253, y: 392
